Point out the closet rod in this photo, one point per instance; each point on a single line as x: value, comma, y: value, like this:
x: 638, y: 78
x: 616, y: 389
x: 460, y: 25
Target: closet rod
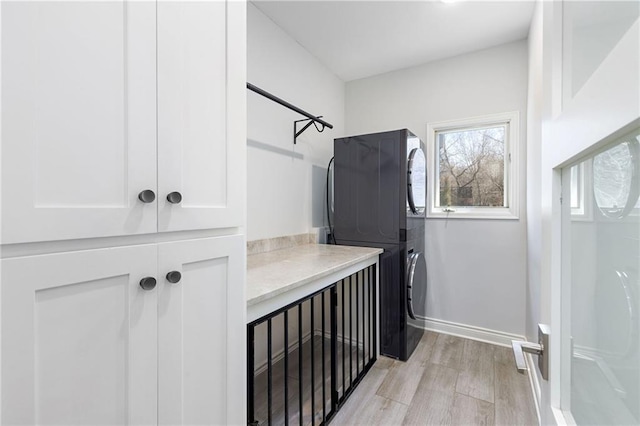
x: 287, y: 104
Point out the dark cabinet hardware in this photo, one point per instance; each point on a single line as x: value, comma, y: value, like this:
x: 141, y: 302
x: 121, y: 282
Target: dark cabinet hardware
x: 174, y: 197
x: 148, y: 283
x: 174, y: 277
x: 147, y: 196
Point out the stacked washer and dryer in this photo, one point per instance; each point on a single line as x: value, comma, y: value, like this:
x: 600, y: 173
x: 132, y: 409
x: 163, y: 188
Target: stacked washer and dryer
x: 379, y: 201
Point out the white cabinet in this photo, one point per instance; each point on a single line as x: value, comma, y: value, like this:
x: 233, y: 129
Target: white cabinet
x: 78, y: 119
x: 100, y: 102
x: 83, y: 343
x: 199, y: 155
x: 198, y: 345
x: 79, y: 338
x: 104, y: 100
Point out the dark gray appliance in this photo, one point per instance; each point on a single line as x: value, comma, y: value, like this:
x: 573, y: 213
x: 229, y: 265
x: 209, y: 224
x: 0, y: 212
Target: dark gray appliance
x: 379, y: 201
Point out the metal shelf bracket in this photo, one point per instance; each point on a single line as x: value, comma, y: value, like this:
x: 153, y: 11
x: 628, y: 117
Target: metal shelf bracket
x: 297, y: 132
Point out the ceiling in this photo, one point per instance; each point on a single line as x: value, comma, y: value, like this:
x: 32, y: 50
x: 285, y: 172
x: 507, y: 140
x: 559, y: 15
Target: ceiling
x: 357, y: 39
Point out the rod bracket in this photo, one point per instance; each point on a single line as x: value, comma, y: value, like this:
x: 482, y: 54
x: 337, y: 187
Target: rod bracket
x: 297, y: 132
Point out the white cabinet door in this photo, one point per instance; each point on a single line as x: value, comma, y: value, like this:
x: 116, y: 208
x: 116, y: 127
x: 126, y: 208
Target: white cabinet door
x: 79, y: 338
x: 201, y: 114
x: 78, y: 119
x: 201, y: 332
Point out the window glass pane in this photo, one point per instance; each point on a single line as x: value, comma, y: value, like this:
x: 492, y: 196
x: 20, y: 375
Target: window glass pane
x: 418, y: 173
x: 576, y: 185
x: 471, y: 167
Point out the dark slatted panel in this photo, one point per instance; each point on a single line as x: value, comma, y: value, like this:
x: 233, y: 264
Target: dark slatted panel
x: 345, y: 305
x: 269, y: 371
x: 286, y: 368
x: 344, y: 352
x: 324, y: 376
x: 300, y: 365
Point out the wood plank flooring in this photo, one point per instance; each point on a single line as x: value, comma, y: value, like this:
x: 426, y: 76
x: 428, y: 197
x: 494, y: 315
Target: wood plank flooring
x: 447, y: 381
x: 311, y: 402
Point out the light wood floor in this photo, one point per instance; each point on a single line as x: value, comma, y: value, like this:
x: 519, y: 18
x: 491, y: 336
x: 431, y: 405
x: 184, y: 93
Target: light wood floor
x: 354, y: 356
x: 447, y: 381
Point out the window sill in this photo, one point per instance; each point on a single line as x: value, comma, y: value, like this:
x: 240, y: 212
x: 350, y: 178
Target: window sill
x: 461, y: 213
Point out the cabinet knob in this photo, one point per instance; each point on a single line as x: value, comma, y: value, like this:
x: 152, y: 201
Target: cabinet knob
x: 147, y: 196
x: 148, y: 283
x: 174, y: 197
x: 174, y: 277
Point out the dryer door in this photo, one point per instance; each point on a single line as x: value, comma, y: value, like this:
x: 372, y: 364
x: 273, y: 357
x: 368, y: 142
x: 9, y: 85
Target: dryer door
x: 416, y: 284
x: 416, y: 181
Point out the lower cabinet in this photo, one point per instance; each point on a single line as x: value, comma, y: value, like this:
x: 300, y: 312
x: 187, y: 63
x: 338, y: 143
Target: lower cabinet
x: 199, y: 326
x: 84, y: 343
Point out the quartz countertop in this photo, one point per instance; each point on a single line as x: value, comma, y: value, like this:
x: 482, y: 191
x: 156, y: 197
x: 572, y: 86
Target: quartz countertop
x: 273, y: 273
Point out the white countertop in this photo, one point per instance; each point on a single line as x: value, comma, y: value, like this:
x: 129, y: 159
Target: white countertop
x: 273, y: 273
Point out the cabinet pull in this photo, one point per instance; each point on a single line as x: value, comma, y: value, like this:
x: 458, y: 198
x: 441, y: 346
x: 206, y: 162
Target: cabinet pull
x: 174, y: 277
x: 174, y: 197
x: 148, y: 283
x: 147, y: 196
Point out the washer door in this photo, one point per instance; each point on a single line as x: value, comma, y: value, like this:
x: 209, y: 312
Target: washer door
x: 416, y: 181
x: 416, y: 284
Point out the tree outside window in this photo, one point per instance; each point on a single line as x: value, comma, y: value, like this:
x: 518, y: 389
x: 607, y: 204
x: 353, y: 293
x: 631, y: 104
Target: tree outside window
x: 471, y: 167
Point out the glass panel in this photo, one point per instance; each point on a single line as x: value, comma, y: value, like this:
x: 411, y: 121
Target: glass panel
x: 471, y: 167
x: 605, y: 288
x: 417, y: 180
x: 576, y: 176
x: 591, y: 30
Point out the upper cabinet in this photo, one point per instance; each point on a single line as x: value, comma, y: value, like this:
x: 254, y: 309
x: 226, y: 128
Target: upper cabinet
x: 120, y: 118
x: 78, y: 119
x: 200, y: 179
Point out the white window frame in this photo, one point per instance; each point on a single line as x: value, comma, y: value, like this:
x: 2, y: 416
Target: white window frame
x: 584, y: 211
x: 511, y: 169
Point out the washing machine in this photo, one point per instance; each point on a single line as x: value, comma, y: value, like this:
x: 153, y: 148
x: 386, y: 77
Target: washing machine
x: 379, y: 201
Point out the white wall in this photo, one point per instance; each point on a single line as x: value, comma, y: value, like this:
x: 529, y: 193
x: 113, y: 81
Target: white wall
x: 476, y: 268
x: 279, y: 185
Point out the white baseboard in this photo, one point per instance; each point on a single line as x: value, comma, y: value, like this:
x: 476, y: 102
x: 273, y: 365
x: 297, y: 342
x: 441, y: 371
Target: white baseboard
x: 469, y: 332
x: 339, y: 338
x: 262, y: 367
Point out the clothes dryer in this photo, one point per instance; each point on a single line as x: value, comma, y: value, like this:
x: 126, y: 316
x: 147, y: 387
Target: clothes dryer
x: 379, y: 201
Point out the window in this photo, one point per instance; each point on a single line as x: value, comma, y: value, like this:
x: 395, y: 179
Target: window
x: 581, y: 192
x: 474, y: 167
x: 608, y: 182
